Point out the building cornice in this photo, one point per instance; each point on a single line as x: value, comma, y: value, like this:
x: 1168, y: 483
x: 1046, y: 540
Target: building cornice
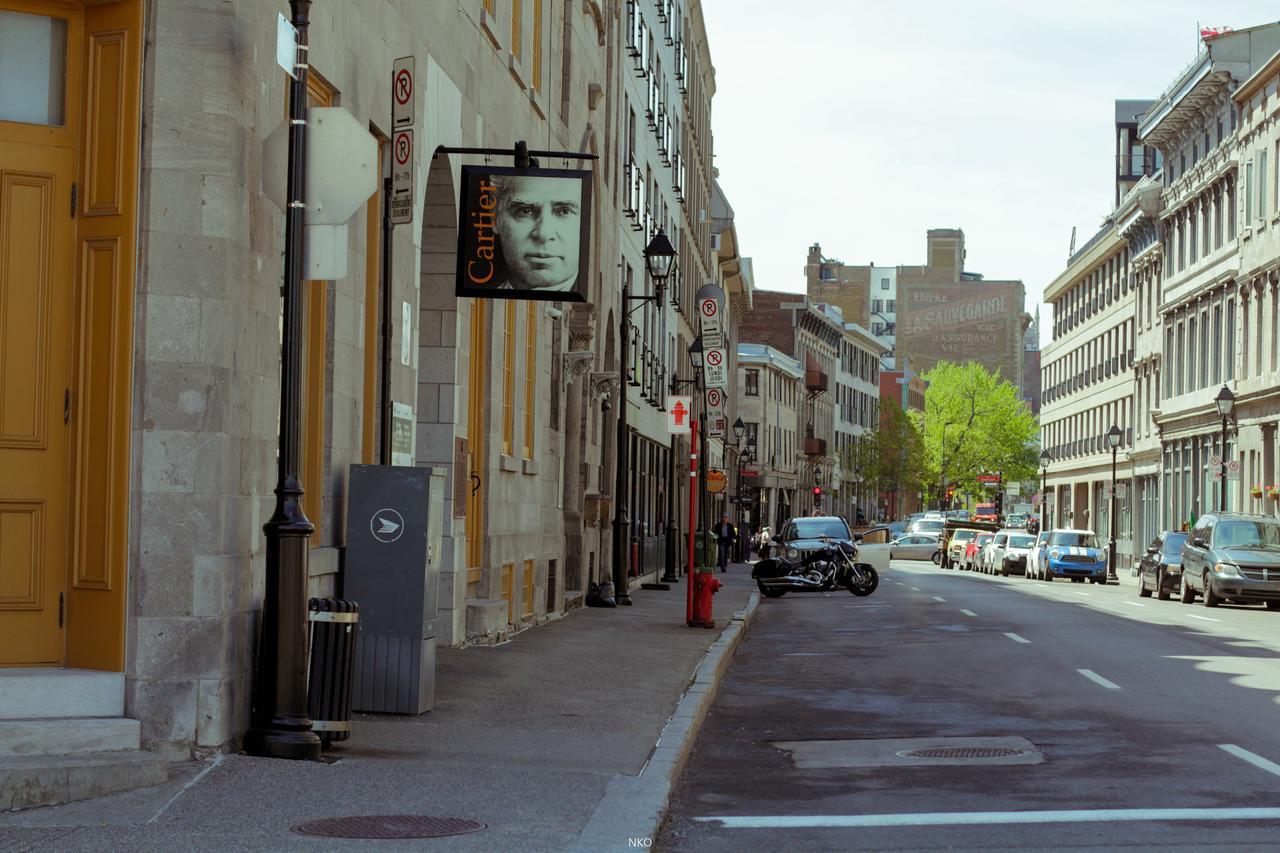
x: 1257, y: 80
x: 1085, y: 261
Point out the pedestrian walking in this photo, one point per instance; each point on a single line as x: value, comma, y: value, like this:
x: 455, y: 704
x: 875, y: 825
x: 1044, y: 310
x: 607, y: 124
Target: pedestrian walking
x: 725, y: 534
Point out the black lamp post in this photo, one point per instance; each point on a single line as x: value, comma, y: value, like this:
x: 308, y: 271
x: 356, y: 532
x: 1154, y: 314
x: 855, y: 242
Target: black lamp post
x: 280, y: 727
x: 695, y: 360
x: 1113, y: 441
x: 943, y: 503
x: 1226, y: 402
x: 1045, y: 458
x: 658, y: 258
x: 739, y: 429
x: 857, y: 496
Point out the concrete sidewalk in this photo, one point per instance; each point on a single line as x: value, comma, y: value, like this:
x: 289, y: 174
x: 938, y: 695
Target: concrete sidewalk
x: 568, y: 737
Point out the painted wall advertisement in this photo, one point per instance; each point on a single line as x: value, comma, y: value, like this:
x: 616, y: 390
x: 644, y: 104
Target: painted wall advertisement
x: 981, y: 322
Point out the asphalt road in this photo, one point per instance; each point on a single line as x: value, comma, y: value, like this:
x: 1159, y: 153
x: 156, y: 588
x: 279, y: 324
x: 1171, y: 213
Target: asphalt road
x: 1144, y: 724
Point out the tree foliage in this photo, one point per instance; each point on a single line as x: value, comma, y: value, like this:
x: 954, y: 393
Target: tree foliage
x: 896, y: 458
x: 976, y: 423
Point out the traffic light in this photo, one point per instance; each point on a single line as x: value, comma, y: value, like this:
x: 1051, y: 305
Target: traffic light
x: 817, y: 491
x: 999, y: 503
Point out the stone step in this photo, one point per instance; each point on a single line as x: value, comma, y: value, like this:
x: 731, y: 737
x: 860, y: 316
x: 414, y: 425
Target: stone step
x: 47, y: 780
x: 47, y: 693
x: 63, y: 736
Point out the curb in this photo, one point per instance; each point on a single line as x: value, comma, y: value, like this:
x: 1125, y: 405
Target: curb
x: 633, y: 807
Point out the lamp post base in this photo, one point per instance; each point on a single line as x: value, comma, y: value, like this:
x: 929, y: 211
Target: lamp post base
x: 283, y: 738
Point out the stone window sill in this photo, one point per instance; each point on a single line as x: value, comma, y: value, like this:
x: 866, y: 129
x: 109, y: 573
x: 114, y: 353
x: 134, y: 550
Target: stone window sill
x: 508, y: 463
x: 531, y: 466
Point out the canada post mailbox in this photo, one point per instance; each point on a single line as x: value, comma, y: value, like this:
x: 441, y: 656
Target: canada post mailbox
x: 392, y: 570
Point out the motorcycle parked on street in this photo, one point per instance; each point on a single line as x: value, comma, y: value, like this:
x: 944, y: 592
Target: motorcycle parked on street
x: 825, y: 569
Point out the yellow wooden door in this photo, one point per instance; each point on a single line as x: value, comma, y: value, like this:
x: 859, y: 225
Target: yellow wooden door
x: 37, y: 170
x: 105, y: 228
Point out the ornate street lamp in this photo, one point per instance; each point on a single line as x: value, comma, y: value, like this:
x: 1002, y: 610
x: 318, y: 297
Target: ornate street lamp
x: 280, y: 727
x: 659, y: 256
x: 1045, y: 458
x: 1113, y: 441
x: 1226, y: 403
x: 695, y: 353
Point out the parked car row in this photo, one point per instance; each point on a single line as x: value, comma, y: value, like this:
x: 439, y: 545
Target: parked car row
x: 1229, y: 556
x: 1225, y: 557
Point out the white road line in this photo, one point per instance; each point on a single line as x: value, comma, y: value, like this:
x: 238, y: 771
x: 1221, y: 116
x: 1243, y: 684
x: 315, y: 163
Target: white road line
x: 967, y: 612
x: 1134, y: 604
x: 979, y: 818
x: 1085, y: 594
x: 1256, y: 760
x: 1203, y: 618
x: 1016, y: 638
x: 915, y: 588
x: 1098, y: 679
x: 936, y: 598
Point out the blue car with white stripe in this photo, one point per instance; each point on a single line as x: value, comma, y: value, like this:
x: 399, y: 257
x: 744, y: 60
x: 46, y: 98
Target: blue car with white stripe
x: 1075, y: 554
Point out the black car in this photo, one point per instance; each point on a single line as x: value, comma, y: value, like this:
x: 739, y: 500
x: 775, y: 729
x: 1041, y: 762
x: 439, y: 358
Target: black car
x: 1160, y: 570
x: 806, y: 533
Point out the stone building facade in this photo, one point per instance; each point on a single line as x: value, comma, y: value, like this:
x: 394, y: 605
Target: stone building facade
x: 1187, y: 288
x: 1257, y: 415
x: 857, y: 413
x: 1213, y: 303
x: 172, y: 386
x: 770, y: 394
x: 811, y: 333
x: 1088, y: 386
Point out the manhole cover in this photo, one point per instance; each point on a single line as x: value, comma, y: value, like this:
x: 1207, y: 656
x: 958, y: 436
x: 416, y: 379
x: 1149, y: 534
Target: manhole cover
x: 389, y: 826
x: 964, y: 752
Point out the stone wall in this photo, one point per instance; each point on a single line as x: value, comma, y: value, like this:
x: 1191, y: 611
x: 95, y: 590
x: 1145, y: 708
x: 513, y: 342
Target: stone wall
x: 207, y: 346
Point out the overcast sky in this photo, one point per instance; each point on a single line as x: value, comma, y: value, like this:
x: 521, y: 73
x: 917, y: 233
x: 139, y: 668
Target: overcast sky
x: 860, y: 125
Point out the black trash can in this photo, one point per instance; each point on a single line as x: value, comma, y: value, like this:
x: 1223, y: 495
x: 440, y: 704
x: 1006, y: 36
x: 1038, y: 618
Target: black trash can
x: 333, y: 657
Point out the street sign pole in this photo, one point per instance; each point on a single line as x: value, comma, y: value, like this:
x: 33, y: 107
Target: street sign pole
x: 403, y: 86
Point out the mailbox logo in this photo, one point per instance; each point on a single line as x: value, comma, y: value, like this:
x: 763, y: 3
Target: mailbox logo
x: 387, y: 525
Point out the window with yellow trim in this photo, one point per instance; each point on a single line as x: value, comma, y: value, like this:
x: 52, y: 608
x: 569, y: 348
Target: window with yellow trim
x: 536, y: 82
x: 526, y: 589
x: 489, y: 5
x: 509, y: 379
x: 530, y: 373
x: 316, y: 368
x: 517, y: 28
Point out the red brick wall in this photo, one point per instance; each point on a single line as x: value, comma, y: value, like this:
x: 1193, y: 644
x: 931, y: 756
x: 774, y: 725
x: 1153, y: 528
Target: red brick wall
x: 766, y: 323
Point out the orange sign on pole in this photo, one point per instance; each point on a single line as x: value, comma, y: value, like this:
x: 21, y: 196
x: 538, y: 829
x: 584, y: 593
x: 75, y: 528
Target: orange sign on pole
x: 716, y: 481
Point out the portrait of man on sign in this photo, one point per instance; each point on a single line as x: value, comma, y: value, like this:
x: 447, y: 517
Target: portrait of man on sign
x: 524, y: 233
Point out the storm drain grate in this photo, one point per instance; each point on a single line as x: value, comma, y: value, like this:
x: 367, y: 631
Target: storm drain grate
x: 389, y: 826
x: 964, y: 752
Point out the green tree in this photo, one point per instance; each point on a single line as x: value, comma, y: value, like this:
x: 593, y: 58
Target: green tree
x: 974, y: 423
x: 896, y: 459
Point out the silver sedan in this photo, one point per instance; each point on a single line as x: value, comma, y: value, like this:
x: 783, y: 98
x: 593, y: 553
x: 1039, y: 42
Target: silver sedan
x: 915, y: 546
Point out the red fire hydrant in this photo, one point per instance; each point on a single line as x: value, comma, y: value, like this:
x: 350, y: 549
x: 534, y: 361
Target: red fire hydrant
x: 705, y: 585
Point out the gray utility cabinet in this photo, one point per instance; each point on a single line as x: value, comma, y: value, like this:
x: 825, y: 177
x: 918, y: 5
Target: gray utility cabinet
x: 392, y: 569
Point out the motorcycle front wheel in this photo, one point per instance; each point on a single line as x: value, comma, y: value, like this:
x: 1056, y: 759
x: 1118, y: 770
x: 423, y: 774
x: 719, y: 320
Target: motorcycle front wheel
x: 870, y: 580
